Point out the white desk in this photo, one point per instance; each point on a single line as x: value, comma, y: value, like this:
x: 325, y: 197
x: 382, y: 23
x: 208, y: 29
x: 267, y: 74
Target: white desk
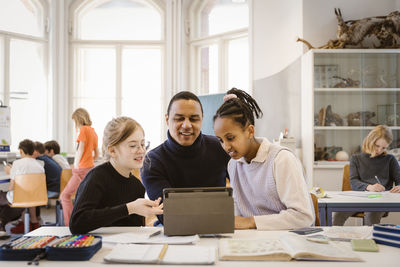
x: 387, y: 256
x: 338, y: 202
x: 4, y: 177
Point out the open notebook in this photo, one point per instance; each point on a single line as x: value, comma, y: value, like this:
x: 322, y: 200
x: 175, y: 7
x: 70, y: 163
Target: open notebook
x: 162, y: 254
x: 288, y: 247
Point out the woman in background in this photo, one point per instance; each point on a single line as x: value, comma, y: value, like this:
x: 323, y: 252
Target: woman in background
x: 110, y: 195
x: 373, y: 170
x: 269, y: 188
x: 87, y: 152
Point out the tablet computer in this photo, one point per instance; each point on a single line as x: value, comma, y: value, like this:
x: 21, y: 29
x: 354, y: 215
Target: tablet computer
x: 200, y: 210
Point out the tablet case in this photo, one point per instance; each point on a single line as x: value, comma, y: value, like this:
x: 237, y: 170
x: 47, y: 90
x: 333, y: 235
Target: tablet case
x: 50, y: 253
x: 201, y: 210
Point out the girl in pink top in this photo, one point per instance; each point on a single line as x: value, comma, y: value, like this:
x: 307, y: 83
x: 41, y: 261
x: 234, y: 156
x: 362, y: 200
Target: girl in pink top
x: 85, y: 155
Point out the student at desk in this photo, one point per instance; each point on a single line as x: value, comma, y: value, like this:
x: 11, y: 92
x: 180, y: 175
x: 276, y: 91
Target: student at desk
x: 52, y: 149
x: 373, y: 170
x: 110, y: 195
x: 27, y: 164
x: 269, y: 188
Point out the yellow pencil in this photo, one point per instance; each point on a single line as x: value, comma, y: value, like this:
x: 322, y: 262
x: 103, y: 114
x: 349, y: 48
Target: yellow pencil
x: 162, y: 253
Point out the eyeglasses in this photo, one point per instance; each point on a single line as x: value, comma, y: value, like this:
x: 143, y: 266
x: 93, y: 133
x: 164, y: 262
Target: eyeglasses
x: 145, y: 146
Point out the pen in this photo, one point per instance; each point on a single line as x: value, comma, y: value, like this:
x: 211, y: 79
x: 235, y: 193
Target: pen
x: 376, y: 177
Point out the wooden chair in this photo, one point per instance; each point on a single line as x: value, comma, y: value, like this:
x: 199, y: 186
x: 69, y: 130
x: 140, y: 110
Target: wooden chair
x: 316, y: 210
x: 29, y: 191
x: 347, y: 187
x: 65, y: 176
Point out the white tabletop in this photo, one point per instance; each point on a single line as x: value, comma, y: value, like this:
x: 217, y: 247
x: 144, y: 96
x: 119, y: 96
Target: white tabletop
x: 359, y: 197
x: 4, y: 177
x: 387, y: 256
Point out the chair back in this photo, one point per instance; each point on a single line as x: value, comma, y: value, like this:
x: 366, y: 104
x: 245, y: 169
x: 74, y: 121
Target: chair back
x: 316, y: 211
x: 346, y: 178
x: 66, y: 174
x: 29, y: 190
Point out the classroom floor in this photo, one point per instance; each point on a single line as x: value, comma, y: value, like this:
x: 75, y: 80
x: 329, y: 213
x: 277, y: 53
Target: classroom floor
x: 48, y: 215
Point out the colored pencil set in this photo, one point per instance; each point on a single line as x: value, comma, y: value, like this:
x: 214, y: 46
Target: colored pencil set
x: 30, y: 242
x: 43, y: 241
x: 74, y: 241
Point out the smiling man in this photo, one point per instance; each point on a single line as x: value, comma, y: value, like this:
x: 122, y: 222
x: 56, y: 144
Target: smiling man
x: 187, y: 158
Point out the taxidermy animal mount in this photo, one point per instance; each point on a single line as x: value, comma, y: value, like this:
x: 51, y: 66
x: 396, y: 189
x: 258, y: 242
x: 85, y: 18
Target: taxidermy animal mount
x: 372, y: 32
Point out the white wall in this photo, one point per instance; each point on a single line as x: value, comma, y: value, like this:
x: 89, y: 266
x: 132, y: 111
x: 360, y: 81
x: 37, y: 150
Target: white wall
x: 276, y: 24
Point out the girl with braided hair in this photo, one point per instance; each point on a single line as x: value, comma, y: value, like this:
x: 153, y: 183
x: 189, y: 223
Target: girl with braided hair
x: 269, y: 188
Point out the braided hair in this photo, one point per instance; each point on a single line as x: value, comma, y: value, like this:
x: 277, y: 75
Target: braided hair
x: 241, y: 109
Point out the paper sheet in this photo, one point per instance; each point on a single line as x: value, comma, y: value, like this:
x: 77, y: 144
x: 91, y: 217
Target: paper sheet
x: 350, y: 232
x: 50, y: 230
x: 128, y: 238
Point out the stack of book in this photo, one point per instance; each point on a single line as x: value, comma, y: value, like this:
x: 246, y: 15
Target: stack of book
x: 387, y: 234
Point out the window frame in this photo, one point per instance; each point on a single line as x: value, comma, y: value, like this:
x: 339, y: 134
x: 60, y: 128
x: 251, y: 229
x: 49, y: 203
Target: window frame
x: 77, y: 9
x: 8, y: 37
x: 221, y: 40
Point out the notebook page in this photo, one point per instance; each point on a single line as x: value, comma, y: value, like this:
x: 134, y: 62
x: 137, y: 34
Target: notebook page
x: 350, y: 232
x: 250, y: 247
x: 189, y: 254
x: 300, y: 248
x: 135, y: 235
x: 132, y: 253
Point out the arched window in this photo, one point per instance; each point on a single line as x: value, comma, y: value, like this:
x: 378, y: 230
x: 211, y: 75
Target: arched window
x: 219, y: 45
x: 23, y: 16
x: 24, y: 69
x: 117, y: 63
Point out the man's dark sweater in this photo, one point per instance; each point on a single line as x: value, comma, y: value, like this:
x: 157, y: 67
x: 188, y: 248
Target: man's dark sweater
x: 101, y: 200
x: 53, y: 173
x: 363, y: 170
x: 203, y: 164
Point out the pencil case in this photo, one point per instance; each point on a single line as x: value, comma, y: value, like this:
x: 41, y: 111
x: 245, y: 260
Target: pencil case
x: 50, y: 252
x: 386, y: 234
x: 73, y: 253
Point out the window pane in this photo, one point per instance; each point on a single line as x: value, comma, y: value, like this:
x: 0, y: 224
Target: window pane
x: 101, y: 111
x: 95, y: 72
x: 95, y: 88
x: 28, y: 93
x: 141, y: 90
x: 21, y: 16
x: 222, y: 16
x: 209, y: 69
x: 121, y: 20
x: 238, y: 64
x: 2, y: 69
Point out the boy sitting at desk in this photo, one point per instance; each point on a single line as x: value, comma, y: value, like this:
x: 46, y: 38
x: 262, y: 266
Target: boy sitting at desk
x: 27, y: 164
x: 52, y: 149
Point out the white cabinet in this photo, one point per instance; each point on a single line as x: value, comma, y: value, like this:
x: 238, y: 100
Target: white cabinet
x: 345, y: 93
